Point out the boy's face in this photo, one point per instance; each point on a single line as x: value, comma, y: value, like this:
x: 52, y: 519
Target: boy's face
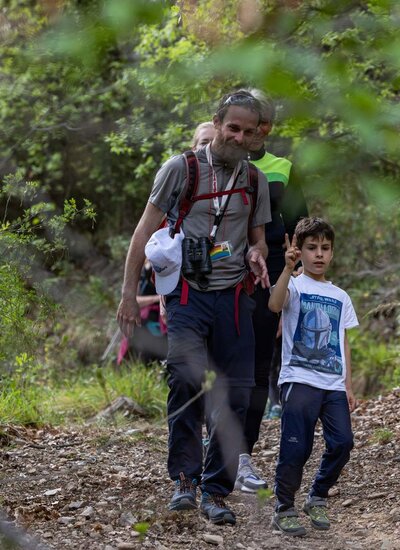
x: 316, y: 255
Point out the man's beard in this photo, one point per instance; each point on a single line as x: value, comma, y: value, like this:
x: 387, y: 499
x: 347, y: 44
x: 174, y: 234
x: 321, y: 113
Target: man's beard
x: 229, y: 152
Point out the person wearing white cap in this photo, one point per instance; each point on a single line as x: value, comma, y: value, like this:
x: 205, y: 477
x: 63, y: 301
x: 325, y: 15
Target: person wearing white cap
x: 201, y: 264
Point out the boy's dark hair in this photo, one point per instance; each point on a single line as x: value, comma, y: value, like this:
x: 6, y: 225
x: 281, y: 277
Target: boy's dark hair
x: 243, y: 98
x: 313, y: 227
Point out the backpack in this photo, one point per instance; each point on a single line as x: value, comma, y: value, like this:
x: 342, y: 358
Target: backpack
x: 190, y: 196
x: 192, y: 182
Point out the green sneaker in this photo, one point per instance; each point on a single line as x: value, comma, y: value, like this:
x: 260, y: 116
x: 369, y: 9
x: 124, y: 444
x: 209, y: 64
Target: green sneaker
x: 288, y: 522
x: 315, y: 508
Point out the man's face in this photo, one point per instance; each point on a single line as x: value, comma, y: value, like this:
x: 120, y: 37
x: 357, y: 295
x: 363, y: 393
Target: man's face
x: 260, y: 136
x: 235, y: 133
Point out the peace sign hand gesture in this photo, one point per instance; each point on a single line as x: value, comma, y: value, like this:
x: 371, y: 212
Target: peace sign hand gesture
x: 292, y: 254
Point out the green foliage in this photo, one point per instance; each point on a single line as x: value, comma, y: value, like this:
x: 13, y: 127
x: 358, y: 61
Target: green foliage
x: 33, y: 395
x: 32, y: 238
x: 142, y: 528
x: 107, y: 111
x: 82, y: 396
x: 15, y: 301
x: 264, y: 495
x: 95, y: 94
x: 118, y: 245
x: 22, y: 399
x: 209, y: 380
x: 383, y: 436
x: 375, y: 363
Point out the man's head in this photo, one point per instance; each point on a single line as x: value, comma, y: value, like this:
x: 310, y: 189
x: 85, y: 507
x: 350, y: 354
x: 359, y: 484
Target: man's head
x: 315, y: 238
x: 236, y: 121
x: 267, y: 119
x: 204, y: 134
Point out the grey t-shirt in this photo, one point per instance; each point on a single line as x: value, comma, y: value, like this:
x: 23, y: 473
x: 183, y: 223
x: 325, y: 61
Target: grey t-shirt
x: 168, y: 189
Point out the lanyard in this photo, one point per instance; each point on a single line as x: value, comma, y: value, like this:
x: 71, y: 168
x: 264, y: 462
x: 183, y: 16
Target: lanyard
x: 220, y: 207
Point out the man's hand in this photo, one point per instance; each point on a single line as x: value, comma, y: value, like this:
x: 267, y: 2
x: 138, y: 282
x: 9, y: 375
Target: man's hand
x: 292, y: 254
x: 258, y: 266
x: 128, y: 315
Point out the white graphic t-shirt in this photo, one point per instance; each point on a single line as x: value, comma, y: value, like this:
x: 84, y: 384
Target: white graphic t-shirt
x: 314, y: 322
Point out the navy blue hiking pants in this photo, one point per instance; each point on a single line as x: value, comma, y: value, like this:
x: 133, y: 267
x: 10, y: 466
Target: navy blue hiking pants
x: 265, y: 324
x: 202, y: 336
x: 302, y: 405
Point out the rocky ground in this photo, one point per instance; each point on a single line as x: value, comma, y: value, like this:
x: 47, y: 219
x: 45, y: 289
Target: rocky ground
x: 97, y: 488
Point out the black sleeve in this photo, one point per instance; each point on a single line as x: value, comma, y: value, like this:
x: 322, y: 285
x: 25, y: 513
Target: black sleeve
x: 294, y: 205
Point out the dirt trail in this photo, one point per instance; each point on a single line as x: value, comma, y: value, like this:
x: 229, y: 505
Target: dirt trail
x: 85, y: 488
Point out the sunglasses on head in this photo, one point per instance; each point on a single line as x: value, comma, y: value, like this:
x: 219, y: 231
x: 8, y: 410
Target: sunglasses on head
x: 240, y: 99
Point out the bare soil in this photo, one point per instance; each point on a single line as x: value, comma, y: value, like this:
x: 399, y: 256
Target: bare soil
x: 91, y: 488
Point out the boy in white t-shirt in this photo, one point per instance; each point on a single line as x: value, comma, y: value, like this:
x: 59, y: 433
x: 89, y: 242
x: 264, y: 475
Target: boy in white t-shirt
x: 315, y: 378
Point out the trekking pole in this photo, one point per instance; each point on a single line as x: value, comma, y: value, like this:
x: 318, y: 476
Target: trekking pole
x: 99, y: 373
x: 111, y: 345
x: 206, y: 386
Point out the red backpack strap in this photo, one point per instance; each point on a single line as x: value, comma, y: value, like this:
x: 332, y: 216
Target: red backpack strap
x: 163, y: 224
x: 192, y: 183
x: 252, y: 175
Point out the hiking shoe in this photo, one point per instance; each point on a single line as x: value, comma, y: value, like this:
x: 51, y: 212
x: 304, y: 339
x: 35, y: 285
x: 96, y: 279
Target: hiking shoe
x: 275, y: 412
x: 315, y: 508
x: 247, y: 478
x: 288, y: 522
x: 184, y: 497
x: 215, y: 509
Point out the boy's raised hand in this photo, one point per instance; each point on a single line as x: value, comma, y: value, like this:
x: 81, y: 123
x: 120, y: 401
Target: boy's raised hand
x: 292, y: 254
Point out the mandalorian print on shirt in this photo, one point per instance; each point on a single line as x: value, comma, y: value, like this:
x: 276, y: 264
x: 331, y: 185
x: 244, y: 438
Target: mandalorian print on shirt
x: 316, y: 343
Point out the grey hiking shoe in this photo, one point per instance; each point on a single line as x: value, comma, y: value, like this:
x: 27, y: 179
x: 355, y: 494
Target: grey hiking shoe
x: 288, y: 523
x: 184, y: 497
x: 215, y: 509
x: 247, y: 478
x: 316, y: 509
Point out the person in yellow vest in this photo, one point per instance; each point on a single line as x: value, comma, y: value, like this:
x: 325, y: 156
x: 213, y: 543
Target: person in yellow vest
x: 287, y: 207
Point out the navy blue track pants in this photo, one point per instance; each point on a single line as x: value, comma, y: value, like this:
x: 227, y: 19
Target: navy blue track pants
x: 202, y: 336
x: 302, y: 406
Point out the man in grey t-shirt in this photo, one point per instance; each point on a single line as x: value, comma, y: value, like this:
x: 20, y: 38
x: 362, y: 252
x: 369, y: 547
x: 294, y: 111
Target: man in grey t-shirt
x: 209, y: 318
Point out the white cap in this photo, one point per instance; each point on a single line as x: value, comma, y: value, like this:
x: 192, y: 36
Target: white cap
x: 165, y: 255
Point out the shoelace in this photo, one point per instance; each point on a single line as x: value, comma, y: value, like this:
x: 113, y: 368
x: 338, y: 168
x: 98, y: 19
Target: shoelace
x: 218, y: 500
x: 186, y: 485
